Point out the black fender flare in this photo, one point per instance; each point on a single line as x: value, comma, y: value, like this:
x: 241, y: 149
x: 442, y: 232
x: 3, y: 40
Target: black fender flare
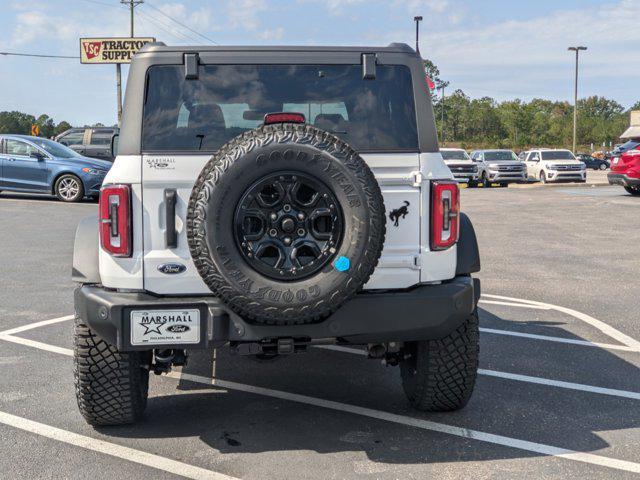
x: 86, y: 269
x: 468, y: 255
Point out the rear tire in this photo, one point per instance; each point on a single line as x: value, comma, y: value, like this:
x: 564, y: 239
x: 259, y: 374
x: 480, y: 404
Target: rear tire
x: 633, y: 190
x: 440, y: 375
x: 111, y: 386
x: 603, y: 166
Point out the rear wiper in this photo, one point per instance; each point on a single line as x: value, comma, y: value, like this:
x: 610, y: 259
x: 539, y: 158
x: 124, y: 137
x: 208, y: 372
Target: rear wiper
x: 201, y: 137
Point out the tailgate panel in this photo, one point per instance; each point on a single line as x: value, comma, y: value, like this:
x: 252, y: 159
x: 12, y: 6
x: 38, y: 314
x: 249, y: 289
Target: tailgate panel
x: 396, y: 173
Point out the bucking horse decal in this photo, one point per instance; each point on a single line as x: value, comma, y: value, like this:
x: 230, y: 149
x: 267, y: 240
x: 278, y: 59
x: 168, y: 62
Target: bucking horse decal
x: 396, y: 214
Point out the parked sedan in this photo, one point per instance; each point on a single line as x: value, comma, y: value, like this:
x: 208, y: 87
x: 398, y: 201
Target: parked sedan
x: 592, y: 162
x: 38, y: 165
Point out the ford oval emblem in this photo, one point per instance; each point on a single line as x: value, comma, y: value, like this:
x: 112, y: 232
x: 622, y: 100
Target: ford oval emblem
x: 171, y: 268
x: 178, y: 328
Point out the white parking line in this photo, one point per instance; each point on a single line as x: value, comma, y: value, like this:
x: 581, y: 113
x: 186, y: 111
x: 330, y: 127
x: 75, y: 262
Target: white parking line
x: 571, y: 341
x: 31, y: 326
x: 540, y: 448
x: 512, y: 304
x: 600, y: 325
x: 363, y: 411
x: 560, y: 384
x: 519, y: 378
x: 40, y: 345
x: 112, y: 449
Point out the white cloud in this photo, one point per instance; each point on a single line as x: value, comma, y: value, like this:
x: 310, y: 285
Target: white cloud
x: 245, y: 13
x: 30, y: 26
x: 201, y: 19
x: 272, y: 34
x: 420, y: 6
x: 529, y: 57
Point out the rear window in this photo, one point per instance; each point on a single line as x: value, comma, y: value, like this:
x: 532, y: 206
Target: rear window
x: 630, y: 145
x: 557, y: 155
x: 226, y: 100
x: 454, y: 155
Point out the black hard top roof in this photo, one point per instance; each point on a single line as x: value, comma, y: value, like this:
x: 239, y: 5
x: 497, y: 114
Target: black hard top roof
x: 160, y: 47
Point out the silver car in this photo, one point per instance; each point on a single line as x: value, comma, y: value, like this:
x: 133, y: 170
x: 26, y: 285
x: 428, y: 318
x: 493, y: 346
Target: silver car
x: 499, y: 166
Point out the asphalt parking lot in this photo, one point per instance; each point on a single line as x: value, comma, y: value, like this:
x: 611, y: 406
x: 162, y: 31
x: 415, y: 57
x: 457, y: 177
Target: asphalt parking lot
x: 557, y: 396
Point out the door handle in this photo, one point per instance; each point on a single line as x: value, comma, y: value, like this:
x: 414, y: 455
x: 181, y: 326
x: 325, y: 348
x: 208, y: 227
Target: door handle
x: 11, y: 159
x: 170, y: 235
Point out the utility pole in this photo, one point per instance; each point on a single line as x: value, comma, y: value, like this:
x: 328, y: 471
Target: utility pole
x: 575, y: 96
x: 417, y: 19
x: 132, y: 4
x: 442, y: 85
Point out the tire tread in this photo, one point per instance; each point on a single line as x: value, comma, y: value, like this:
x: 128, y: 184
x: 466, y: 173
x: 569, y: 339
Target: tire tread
x: 111, y: 386
x: 445, y: 369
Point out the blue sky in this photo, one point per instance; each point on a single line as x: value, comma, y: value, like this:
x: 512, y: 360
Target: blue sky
x: 498, y: 48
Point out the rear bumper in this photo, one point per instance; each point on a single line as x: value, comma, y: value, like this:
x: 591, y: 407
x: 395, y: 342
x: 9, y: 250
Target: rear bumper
x: 622, y: 179
x: 421, y: 313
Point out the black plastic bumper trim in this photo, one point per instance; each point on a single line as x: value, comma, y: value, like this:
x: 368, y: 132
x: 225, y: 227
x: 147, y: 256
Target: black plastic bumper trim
x: 623, y: 180
x: 420, y: 313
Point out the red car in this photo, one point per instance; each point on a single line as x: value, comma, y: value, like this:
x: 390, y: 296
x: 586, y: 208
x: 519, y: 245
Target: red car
x: 625, y: 167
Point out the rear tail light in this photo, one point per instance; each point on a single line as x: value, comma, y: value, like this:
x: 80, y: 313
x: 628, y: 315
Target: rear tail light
x: 283, y: 117
x: 445, y: 214
x: 115, y: 220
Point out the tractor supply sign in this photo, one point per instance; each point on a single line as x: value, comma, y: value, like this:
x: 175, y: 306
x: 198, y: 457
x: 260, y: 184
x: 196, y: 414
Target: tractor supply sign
x: 110, y: 50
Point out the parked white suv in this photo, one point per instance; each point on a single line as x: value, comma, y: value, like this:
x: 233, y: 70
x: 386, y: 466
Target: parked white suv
x: 498, y: 166
x: 268, y: 199
x: 459, y: 162
x: 554, y: 165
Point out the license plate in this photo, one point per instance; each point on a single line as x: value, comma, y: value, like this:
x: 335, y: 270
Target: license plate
x: 155, y: 327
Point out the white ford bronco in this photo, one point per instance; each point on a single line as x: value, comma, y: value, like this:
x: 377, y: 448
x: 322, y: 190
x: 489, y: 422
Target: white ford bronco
x: 268, y: 199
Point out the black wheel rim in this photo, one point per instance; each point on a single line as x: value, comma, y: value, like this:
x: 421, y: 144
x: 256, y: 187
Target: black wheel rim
x: 288, y: 225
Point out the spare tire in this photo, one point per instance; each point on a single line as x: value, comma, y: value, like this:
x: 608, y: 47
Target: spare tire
x: 285, y: 223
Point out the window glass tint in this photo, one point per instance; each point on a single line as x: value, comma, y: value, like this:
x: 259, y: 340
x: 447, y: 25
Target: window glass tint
x: 454, y: 155
x: 630, y: 145
x: 557, y: 155
x: 54, y: 148
x: 73, y: 138
x: 226, y: 100
x: 500, y: 155
x: 16, y: 147
x: 101, y: 139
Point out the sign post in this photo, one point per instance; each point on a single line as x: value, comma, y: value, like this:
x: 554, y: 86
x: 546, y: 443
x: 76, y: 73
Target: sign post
x: 116, y: 50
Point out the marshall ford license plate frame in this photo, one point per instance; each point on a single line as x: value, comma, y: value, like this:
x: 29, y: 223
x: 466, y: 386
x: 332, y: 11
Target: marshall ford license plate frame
x: 127, y: 333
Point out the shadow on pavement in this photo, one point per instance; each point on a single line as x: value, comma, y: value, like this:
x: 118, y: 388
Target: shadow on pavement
x: 237, y: 422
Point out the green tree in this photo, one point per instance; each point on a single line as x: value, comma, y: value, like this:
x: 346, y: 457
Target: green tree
x: 16, y: 122
x: 47, y: 127
x: 62, y: 127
